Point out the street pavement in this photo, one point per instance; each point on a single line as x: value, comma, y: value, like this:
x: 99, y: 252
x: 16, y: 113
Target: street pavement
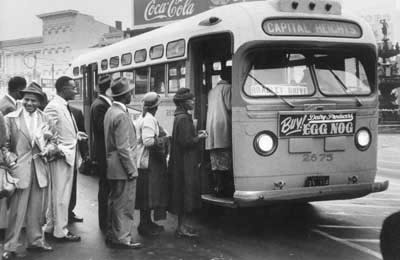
x: 346, y: 229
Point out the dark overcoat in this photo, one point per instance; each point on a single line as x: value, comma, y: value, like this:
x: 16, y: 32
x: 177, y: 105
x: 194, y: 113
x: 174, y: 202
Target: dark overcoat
x: 184, y: 178
x: 97, y: 112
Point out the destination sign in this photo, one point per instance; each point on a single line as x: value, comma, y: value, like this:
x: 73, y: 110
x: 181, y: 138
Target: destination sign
x: 311, y: 27
x: 316, y: 124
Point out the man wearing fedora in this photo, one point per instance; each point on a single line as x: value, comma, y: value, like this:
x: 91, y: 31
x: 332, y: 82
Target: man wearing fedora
x: 62, y: 169
x: 27, y: 204
x: 120, y: 137
x: 97, y: 112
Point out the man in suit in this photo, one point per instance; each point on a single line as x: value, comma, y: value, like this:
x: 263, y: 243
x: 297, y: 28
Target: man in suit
x: 9, y: 102
x: 120, y: 137
x: 82, y: 146
x: 27, y: 203
x: 97, y: 112
x: 62, y: 169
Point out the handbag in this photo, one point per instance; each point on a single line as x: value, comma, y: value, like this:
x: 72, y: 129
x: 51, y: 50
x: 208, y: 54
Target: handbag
x: 7, y: 183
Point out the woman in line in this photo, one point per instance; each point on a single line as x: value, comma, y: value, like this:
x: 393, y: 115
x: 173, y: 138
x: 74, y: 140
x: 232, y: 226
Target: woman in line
x: 152, y: 184
x: 184, y: 179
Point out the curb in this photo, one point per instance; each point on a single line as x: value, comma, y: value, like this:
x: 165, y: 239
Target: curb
x: 389, y: 129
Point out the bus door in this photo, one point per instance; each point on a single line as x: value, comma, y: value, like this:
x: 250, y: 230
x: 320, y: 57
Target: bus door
x: 90, y: 77
x: 208, y: 55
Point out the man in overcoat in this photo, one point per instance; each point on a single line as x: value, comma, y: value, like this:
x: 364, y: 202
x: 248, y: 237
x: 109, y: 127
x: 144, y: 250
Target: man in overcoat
x: 8, y: 104
x: 62, y: 169
x: 97, y: 112
x: 27, y: 203
x: 120, y: 138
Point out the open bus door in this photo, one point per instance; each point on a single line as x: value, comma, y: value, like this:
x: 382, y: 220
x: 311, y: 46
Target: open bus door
x: 208, y: 55
x: 90, y: 77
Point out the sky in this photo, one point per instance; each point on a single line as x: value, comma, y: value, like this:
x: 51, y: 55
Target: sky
x: 18, y: 17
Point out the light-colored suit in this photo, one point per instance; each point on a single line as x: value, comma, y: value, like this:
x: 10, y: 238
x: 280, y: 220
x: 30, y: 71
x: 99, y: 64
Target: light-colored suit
x: 7, y: 105
x: 61, y: 170
x: 120, y: 139
x: 29, y: 201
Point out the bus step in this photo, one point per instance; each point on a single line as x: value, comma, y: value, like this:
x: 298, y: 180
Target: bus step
x: 225, y: 202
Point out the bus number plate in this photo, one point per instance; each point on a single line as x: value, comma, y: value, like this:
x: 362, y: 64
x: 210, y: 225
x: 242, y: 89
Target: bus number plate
x: 313, y: 157
x: 313, y: 181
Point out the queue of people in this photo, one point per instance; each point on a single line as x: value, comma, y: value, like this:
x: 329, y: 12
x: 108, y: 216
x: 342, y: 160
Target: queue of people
x: 134, y: 172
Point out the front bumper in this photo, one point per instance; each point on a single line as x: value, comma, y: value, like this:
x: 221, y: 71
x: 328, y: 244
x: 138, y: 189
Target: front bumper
x: 330, y: 192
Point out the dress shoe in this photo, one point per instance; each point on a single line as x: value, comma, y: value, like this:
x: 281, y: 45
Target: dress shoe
x: 74, y: 218
x: 128, y: 245
x: 69, y: 238
x: 44, y: 247
x: 8, y: 255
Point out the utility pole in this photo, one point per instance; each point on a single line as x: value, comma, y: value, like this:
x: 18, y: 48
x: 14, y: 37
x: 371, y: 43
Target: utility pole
x: 52, y: 74
x: 34, y: 66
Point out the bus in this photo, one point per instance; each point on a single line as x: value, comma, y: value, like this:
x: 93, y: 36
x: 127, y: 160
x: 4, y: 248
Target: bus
x: 304, y: 94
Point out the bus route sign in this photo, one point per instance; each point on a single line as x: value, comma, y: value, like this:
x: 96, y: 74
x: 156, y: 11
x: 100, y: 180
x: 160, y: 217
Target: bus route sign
x: 311, y: 27
x: 316, y: 124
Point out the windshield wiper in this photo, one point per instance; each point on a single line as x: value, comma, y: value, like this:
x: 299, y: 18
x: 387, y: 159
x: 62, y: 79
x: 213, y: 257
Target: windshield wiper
x: 344, y: 87
x: 271, y: 91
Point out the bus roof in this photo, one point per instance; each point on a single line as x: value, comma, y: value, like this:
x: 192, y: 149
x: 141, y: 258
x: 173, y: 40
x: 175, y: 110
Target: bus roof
x: 242, y: 20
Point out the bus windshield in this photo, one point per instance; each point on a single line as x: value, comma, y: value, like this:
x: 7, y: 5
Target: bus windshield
x: 280, y: 74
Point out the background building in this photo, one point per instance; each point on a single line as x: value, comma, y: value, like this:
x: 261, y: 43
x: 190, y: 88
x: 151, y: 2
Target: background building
x: 65, y: 35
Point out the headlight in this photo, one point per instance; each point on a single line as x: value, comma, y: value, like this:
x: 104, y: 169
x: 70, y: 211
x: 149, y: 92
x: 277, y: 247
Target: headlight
x: 363, y: 139
x: 265, y: 143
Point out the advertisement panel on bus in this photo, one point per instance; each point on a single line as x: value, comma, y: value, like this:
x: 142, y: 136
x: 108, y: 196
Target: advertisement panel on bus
x: 160, y: 12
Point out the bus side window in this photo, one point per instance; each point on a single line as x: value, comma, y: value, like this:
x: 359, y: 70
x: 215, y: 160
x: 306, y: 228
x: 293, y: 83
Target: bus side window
x: 176, y: 75
x: 157, y: 79
x: 141, y: 80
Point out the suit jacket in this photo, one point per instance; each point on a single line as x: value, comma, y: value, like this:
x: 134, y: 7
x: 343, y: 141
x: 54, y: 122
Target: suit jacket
x: 97, y: 112
x: 21, y: 143
x: 7, y: 105
x: 80, y: 123
x: 120, y: 139
x: 65, y: 125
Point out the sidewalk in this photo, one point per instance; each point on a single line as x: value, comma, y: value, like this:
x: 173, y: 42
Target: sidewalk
x: 389, y: 129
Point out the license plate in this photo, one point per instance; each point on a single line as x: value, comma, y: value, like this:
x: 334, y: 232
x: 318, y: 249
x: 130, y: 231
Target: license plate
x: 313, y: 181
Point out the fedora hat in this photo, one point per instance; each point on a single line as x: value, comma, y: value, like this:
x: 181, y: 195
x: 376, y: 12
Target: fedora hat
x: 34, y: 88
x: 151, y: 100
x: 104, y: 83
x: 119, y: 87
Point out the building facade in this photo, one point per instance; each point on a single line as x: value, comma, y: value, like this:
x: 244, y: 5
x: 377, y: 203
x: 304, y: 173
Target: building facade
x: 65, y: 35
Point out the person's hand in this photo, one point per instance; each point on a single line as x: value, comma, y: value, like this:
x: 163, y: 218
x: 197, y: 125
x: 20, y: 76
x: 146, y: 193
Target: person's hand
x: 131, y: 177
x: 202, y: 134
x: 82, y: 136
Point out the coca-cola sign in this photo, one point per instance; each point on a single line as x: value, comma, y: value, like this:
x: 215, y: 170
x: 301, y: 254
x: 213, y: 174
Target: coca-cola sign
x: 160, y: 12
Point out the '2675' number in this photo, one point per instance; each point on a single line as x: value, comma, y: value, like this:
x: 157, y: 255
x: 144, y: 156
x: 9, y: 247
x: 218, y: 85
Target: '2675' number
x: 313, y: 157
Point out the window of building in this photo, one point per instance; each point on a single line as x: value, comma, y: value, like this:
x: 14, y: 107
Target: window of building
x: 176, y: 76
x: 75, y: 71
x: 176, y: 49
x: 156, y: 52
x: 157, y: 78
x: 140, y: 55
x: 141, y: 80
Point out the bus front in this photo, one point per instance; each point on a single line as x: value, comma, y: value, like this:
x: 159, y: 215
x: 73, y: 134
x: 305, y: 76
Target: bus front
x: 304, y: 110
